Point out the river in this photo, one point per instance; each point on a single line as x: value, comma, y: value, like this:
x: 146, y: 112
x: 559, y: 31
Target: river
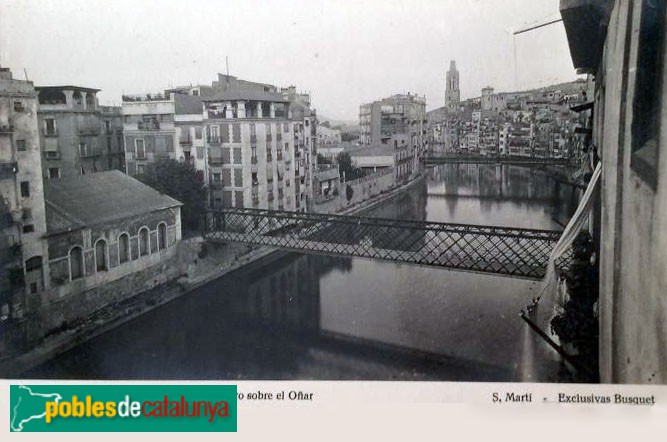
x: 298, y: 316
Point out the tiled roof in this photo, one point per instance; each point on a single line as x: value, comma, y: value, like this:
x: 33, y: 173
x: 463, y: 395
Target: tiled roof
x: 92, y: 199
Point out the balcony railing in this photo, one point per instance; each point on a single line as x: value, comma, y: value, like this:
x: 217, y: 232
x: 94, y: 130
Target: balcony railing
x: 91, y: 131
x: 214, y: 161
x: 146, y: 97
x: 279, y: 137
x: 52, y: 155
x: 51, y: 132
x: 148, y: 125
x: 213, y: 140
x: 6, y: 128
x: 8, y: 169
x: 185, y: 142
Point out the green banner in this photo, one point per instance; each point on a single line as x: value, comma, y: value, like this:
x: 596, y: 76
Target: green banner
x: 123, y: 408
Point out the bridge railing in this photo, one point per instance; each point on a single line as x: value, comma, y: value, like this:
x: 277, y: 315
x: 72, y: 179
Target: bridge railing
x: 492, y: 249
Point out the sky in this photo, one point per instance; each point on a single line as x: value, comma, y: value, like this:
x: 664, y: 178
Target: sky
x: 344, y: 52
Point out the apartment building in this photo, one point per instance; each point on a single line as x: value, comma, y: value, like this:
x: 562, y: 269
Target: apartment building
x: 25, y: 257
x: 77, y: 135
x: 261, y: 145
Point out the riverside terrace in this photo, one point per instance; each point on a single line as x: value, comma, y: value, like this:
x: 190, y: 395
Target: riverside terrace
x: 516, y: 252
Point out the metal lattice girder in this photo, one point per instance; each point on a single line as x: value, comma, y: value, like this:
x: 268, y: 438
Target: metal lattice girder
x: 492, y: 249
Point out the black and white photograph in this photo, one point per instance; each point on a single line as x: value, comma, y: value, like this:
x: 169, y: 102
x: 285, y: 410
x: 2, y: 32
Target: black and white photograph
x: 442, y: 191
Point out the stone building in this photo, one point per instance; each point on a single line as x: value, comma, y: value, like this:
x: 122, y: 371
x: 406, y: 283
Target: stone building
x: 105, y: 226
x: 77, y: 135
x: 25, y: 257
x: 261, y: 145
x: 622, y: 43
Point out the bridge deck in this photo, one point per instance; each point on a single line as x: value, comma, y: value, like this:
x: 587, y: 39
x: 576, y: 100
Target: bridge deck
x: 505, y: 159
x: 489, y: 249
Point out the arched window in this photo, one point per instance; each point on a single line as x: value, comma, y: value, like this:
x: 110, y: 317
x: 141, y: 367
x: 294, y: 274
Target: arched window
x: 101, y: 255
x: 143, y: 242
x: 162, y: 236
x: 90, y: 99
x: 123, y: 248
x: 77, y: 97
x: 76, y: 263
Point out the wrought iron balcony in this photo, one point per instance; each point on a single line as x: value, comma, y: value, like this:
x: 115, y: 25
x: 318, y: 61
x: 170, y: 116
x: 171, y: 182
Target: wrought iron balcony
x: 148, y: 125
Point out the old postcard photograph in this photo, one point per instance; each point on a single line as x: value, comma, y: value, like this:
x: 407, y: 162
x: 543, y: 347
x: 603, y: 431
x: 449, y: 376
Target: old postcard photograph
x: 409, y: 191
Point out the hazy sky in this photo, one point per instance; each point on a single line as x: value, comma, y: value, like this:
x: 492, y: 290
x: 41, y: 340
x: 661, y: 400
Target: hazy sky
x: 343, y: 52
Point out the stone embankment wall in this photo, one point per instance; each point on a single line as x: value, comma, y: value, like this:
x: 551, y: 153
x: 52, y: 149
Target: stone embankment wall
x: 77, y: 307
x: 363, y: 189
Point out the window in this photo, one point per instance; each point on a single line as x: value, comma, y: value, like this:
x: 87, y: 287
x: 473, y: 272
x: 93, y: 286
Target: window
x: 27, y: 214
x: 50, y: 126
x: 140, y: 149
x: 28, y: 228
x: 141, y: 168
x: 18, y: 106
x: 162, y: 236
x: 647, y: 100
x: 77, y: 98
x: 198, y: 132
x: 101, y: 255
x: 25, y: 189
x: 216, y: 177
x: 255, y: 181
x: 20, y: 145
x: 76, y: 263
x: 144, y: 246
x: 83, y: 149
x: 123, y: 248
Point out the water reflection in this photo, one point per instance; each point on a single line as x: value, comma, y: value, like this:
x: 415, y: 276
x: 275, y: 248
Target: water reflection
x: 322, y: 317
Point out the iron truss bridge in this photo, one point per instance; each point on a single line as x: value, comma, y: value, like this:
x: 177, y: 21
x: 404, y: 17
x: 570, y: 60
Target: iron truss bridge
x: 480, y: 159
x: 522, y: 253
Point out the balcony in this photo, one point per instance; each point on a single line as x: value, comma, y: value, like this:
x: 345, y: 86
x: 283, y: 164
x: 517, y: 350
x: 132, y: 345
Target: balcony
x: 213, y: 140
x: 51, y: 132
x: 215, y: 161
x: 269, y: 137
x: 90, y: 153
x: 253, y: 139
x: 148, y: 125
x: 89, y: 131
x: 185, y: 142
x: 270, y: 196
x: 51, y: 155
x: 279, y: 137
x: 269, y: 157
x: 253, y: 160
x: 6, y: 128
x: 8, y: 169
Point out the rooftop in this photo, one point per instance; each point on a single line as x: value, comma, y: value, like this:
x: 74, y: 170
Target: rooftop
x: 68, y: 87
x: 96, y: 198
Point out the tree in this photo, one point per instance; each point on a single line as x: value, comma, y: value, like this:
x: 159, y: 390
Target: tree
x: 346, y: 168
x: 182, y: 182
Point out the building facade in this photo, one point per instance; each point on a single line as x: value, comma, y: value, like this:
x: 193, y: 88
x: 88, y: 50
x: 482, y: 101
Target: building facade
x: 24, y: 254
x: 77, y: 135
x: 261, y: 144
x: 625, y: 53
x: 103, y: 227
